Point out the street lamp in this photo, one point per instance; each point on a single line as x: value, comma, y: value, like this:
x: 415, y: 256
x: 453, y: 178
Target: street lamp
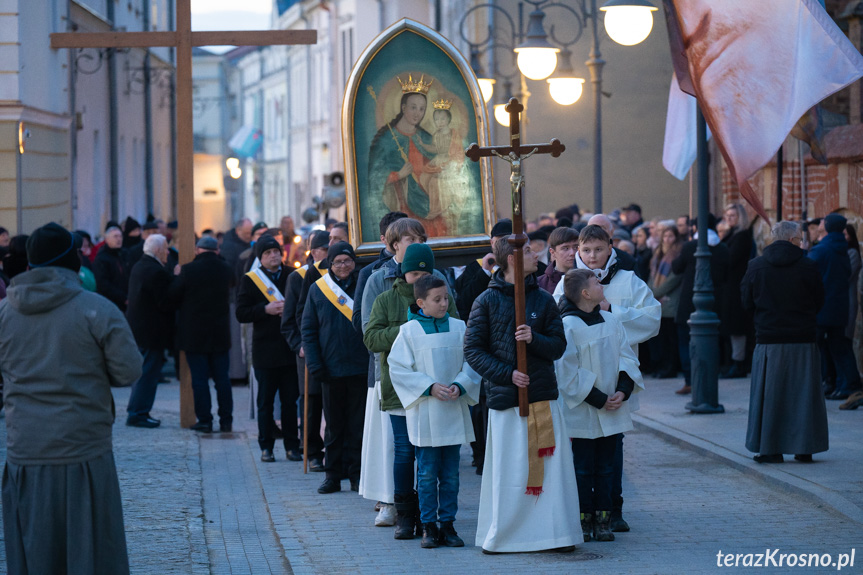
x: 564, y: 87
x: 627, y: 22
x: 537, y: 58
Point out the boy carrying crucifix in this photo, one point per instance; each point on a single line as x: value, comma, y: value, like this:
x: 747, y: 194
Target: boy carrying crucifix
x: 529, y: 497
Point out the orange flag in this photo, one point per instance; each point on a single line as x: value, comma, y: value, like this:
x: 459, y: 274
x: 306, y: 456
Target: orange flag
x: 756, y: 68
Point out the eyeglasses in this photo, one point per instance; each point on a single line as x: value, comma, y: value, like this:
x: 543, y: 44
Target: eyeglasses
x: 342, y: 264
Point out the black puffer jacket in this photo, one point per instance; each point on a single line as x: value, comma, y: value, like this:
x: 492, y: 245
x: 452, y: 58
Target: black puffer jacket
x: 489, y: 342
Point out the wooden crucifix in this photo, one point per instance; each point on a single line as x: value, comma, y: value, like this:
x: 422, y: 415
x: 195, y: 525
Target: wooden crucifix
x: 515, y: 154
x: 183, y: 39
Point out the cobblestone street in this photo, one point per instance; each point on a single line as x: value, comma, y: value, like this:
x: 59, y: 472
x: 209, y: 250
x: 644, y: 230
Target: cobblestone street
x: 206, y: 504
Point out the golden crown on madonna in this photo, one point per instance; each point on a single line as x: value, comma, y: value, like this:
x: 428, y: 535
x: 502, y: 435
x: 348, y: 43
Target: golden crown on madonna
x: 411, y: 87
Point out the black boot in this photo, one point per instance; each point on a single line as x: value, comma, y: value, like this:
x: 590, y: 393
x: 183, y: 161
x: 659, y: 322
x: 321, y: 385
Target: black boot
x: 587, y: 526
x: 737, y: 369
x: 405, y: 513
x: 618, y: 523
x: 418, y: 524
x: 602, y: 527
x: 430, y: 536
x: 448, y: 536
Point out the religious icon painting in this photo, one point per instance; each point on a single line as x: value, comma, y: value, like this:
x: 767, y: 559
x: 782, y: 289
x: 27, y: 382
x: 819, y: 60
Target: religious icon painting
x: 412, y: 106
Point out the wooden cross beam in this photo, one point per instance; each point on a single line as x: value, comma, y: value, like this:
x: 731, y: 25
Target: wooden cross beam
x: 515, y: 154
x: 183, y: 39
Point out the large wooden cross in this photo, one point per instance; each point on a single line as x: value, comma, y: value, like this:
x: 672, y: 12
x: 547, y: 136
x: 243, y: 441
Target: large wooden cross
x: 515, y: 154
x: 183, y: 39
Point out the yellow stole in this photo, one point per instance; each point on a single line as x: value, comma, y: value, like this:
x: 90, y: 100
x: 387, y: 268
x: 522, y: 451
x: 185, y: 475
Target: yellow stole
x: 336, y: 295
x: 540, y: 443
x: 265, y: 284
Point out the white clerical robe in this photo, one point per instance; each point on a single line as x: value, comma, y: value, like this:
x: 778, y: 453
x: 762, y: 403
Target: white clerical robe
x: 416, y: 361
x: 510, y: 520
x: 376, y: 458
x: 632, y: 302
x: 594, y: 357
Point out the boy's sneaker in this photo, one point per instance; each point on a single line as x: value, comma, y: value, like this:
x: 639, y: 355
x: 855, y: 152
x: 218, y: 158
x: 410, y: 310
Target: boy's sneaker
x: 602, y: 527
x: 448, y: 536
x: 587, y: 526
x: 386, y: 516
x: 430, y: 536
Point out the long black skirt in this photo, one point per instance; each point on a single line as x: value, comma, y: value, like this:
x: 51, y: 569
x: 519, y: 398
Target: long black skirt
x: 787, y: 413
x: 64, y: 519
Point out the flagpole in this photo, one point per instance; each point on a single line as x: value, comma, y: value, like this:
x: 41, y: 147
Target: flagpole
x: 703, y: 323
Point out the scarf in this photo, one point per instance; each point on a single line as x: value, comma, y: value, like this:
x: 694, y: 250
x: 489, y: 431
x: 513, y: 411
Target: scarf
x: 540, y: 443
x: 601, y: 274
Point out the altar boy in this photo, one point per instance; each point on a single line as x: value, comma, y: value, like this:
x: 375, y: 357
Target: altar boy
x: 436, y: 386
x: 629, y: 299
x: 596, y: 376
x: 529, y: 498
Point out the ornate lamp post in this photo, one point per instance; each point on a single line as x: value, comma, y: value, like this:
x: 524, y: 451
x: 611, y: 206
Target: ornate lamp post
x: 541, y: 56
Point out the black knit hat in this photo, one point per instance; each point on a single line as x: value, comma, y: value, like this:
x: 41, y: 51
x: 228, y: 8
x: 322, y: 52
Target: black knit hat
x: 52, y: 245
x: 260, y: 226
x: 264, y: 243
x: 834, y: 223
x: 502, y: 228
x: 321, y: 239
x: 338, y: 249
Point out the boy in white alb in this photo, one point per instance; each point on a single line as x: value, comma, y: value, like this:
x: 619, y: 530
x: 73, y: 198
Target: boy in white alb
x: 529, y: 496
x: 629, y: 299
x: 596, y: 376
x: 436, y: 386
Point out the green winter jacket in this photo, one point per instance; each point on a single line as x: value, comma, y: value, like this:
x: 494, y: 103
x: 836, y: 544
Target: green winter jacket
x: 389, y: 312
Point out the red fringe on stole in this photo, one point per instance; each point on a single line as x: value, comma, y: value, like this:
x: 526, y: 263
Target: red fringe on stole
x: 546, y: 451
x: 533, y: 491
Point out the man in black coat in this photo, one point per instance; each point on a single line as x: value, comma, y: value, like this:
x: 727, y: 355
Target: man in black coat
x: 684, y: 265
x: 202, y: 295
x: 136, y: 252
x: 787, y: 413
x: 290, y: 328
x: 337, y: 357
x: 260, y: 301
x: 151, y: 325
x: 111, y: 271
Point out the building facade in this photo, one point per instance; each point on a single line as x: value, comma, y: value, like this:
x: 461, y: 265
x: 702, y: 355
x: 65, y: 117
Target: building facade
x: 95, y: 125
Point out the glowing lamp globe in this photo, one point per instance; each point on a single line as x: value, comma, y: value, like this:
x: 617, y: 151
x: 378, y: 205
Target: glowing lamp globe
x: 628, y: 22
x: 537, y: 63
x: 486, y: 86
x: 565, y: 91
x: 501, y: 115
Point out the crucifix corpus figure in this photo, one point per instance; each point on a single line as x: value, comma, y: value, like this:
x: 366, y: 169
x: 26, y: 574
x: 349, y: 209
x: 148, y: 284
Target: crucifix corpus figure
x: 183, y: 39
x: 515, y: 154
x: 536, y: 507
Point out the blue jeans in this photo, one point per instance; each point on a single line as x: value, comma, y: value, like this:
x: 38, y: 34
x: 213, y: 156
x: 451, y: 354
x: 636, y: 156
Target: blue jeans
x: 144, y: 390
x: 437, y: 482
x: 594, y: 471
x: 203, y: 366
x: 403, y: 461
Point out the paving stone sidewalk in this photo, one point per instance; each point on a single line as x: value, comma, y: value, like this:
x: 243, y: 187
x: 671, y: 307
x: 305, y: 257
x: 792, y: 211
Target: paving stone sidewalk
x: 208, y: 505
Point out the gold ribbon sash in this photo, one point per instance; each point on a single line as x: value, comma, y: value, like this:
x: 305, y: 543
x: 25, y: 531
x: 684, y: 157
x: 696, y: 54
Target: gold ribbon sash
x: 540, y: 443
x: 337, y: 296
x: 266, y: 285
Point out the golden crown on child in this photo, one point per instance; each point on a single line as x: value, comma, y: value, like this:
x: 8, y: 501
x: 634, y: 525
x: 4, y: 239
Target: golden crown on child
x: 410, y: 86
x: 442, y: 104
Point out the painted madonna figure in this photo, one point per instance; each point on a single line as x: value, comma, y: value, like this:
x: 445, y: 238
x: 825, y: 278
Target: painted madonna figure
x: 401, y: 158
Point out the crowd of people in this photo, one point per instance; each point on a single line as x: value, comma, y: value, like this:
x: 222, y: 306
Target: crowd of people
x: 405, y: 362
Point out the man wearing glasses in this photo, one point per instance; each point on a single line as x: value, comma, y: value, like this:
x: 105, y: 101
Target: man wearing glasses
x: 337, y: 357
